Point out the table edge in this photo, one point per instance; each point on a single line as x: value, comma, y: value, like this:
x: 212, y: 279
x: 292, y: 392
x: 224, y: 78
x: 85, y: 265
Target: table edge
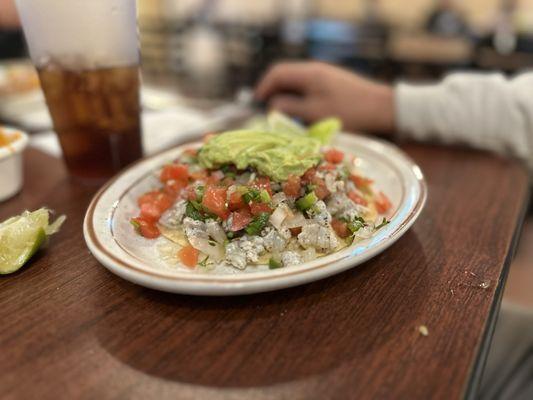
x: 478, y: 367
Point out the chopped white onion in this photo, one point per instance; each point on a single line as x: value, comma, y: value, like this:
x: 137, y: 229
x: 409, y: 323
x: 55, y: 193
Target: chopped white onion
x: 279, y: 215
x: 243, y: 178
x: 295, y: 221
x: 278, y: 198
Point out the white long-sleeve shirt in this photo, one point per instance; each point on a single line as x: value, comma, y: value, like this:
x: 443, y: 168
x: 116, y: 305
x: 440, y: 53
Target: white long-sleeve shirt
x: 485, y: 111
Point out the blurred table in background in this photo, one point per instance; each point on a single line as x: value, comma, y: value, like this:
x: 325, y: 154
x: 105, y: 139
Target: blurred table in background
x: 429, y: 49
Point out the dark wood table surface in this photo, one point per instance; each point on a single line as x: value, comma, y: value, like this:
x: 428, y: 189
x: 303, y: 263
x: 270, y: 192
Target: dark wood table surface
x: 71, y: 329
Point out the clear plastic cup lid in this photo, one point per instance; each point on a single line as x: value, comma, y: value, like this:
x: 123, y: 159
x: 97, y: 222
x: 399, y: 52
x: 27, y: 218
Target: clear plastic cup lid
x: 84, y: 34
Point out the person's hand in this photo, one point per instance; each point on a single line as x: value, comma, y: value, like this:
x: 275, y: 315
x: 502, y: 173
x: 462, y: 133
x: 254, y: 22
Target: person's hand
x: 8, y: 15
x: 313, y: 90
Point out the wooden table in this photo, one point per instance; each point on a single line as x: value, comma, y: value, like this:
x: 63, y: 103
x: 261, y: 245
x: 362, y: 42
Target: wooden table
x: 70, y: 329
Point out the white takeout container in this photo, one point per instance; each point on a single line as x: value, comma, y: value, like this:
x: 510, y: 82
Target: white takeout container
x: 11, y: 177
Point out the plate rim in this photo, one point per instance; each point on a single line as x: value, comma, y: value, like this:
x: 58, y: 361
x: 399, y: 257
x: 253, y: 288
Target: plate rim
x: 245, y: 283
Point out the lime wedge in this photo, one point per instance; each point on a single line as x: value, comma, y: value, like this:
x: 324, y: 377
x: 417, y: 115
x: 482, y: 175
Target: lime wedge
x: 22, y: 236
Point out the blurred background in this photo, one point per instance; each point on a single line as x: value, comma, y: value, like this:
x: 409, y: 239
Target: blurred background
x: 210, y: 49
x: 213, y: 47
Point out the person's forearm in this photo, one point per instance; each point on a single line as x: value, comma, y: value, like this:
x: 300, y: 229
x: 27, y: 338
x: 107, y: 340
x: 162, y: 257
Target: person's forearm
x: 485, y: 111
x: 378, y: 111
x: 8, y: 15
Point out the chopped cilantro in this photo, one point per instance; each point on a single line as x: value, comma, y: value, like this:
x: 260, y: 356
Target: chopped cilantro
x: 309, y: 188
x: 355, y: 224
x: 192, y: 211
x: 383, y: 223
x: 203, y: 263
x: 199, y: 191
x: 251, y: 195
x: 258, y: 223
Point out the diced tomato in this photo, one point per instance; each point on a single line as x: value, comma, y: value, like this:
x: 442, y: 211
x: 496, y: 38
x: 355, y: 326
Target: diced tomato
x: 292, y: 187
x: 177, y: 172
x: 296, y: 231
x: 208, y: 136
x: 227, y: 182
x: 357, y: 199
x: 150, y: 212
x: 199, y: 175
x: 320, y: 190
x: 263, y: 183
x: 188, y: 256
x: 258, y: 208
x: 147, y: 229
x: 236, y: 201
x: 150, y: 231
x: 308, y: 176
x: 383, y: 204
x: 215, y: 201
x: 153, y: 204
x: 240, y: 219
x: 340, y: 228
x: 190, y: 193
x: 360, y: 181
x: 326, y: 167
x: 191, y: 152
x: 174, y: 188
x: 148, y: 197
x: 163, y: 202
x: 212, y: 179
x: 334, y: 156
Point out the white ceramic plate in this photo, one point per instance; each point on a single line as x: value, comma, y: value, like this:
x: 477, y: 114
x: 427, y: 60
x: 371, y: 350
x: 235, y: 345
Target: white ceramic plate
x: 114, y: 243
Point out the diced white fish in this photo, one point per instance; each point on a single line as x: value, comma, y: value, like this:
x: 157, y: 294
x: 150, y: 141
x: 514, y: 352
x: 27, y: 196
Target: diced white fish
x: 340, y: 205
x: 235, y: 256
x: 332, y: 184
x: 198, y: 237
x: 245, y: 250
x: 319, y: 237
x: 226, y: 225
x: 319, y: 213
x: 194, y: 228
x: 215, y: 231
x: 273, y: 241
x: 173, y: 217
x: 289, y: 258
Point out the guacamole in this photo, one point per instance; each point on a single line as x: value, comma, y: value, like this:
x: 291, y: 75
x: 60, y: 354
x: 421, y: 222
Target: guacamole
x: 274, y: 154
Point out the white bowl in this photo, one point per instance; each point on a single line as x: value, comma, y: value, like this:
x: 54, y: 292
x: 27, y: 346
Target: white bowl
x: 11, y: 177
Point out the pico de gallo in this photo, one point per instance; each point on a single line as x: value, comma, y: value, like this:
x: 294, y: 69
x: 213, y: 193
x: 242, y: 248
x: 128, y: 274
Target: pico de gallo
x: 236, y: 214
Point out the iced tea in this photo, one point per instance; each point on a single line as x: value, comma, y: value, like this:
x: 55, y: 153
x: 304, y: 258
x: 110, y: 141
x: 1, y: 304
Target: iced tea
x: 96, y: 115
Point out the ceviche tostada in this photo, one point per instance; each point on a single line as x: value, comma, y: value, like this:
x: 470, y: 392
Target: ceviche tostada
x: 272, y: 194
